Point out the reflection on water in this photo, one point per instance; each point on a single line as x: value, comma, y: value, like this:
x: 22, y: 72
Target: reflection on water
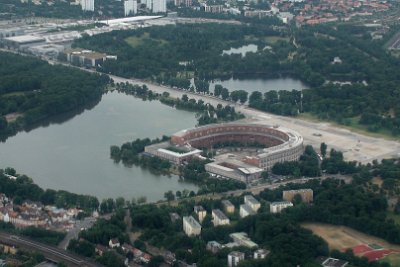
x: 71, y: 152
x: 243, y: 50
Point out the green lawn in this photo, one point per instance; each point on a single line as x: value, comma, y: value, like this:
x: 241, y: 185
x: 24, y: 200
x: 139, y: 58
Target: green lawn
x: 392, y: 259
x: 136, y: 41
x: 274, y: 39
x: 395, y: 217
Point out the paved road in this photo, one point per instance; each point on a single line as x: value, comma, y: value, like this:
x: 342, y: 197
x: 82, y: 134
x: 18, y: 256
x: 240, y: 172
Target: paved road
x: 255, y: 190
x: 73, y: 233
x: 51, y: 253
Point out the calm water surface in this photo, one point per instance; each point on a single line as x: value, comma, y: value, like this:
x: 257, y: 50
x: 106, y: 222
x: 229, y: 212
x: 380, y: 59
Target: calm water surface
x: 74, y: 155
x: 260, y: 84
x: 243, y: 50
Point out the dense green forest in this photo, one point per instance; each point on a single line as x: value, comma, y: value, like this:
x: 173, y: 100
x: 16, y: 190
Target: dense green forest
x: 33, y: 91
x: 360, y: 88
x: 169, y: 52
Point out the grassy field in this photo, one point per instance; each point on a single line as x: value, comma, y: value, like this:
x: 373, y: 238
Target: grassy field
x: 353, y: 125
x: 274, y: 39
x: 393, y: 259
x: 395, y: 217
x: 342, y: 237
x: 136, y: 41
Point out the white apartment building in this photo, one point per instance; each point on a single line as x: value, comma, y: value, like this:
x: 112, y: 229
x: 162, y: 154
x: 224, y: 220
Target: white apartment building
x: 87, y: 5
x: 200, y: 212
x: 276, y: 207
x: 234, y: 258
x: 245, y: 210
x: 219, y: 218
x: 159, y: 6
x: 130, y: 7
x: 191, y: 227
x: 228, y: 206
x: 250, y: 201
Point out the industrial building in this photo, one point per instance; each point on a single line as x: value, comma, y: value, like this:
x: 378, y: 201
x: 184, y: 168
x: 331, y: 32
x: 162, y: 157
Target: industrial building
x: 84, y: 57
x: 23, y: 42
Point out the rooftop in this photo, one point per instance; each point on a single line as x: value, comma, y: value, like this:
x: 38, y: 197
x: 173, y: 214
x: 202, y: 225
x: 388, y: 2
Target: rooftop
x: 251, y: 199
x: 25, y: 39
x: 218, y: 213
x: 248, y: 209
x: 192, y: 221
x: 278, y: 203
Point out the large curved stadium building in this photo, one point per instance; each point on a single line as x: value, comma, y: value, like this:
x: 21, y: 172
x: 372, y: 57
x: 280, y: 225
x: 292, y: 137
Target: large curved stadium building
x: 280, y: 144
x: 270, y: 144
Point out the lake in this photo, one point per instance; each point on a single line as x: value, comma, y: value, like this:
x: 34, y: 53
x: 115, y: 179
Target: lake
x: 243, y: 50
x: 259, y: 84
x: 74, y: 155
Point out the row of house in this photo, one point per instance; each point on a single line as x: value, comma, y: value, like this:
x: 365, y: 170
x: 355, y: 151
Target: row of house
x: 36, y: 214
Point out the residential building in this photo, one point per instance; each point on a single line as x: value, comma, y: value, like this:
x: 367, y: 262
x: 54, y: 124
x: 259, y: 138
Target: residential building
x: 228, y: 206
x: 159, y: 6
x: 252, y: 202
x: 113, y: 243
x: 219, y: 218
x: 276, y: 207
x: 234, y: 258
x: 200, y: 212
x: 213, y: 246
x: 100, y: 249
x: 245, y: 210
x: 130, y: 7
x: 261, y: 254
x: 87, y: 5
x: 242, y: 239
x: 306, y: 195
x: 185, y: 3
x: 190, y: 226
x: 214, y: 8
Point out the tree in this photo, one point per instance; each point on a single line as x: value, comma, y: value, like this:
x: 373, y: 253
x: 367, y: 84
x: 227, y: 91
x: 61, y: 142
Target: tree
x: 169, y: 196
x: 156, y: 261
x: 323, y: 148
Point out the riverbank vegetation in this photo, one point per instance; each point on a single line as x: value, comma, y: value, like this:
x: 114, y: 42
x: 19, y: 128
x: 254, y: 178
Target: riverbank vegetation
x: 32, y: 91
x: 23, y: 188
x: 206, y: 113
